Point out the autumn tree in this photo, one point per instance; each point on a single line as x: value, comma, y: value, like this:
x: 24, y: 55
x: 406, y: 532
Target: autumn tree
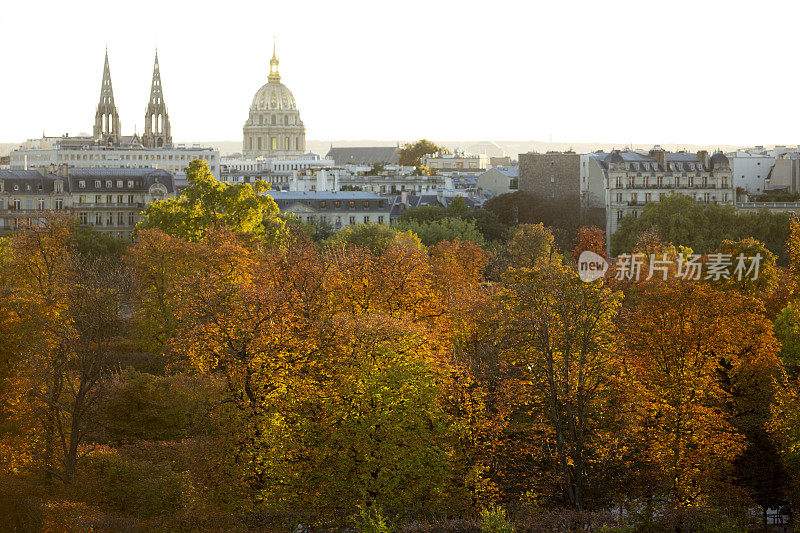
x: 592, y: 239
x: 76, y: 306
x: 691, y: 353
x: 560, y: 336
x: 411, y: 153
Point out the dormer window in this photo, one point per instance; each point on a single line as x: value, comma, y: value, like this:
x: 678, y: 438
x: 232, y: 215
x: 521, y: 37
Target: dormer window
x: 97, y: 184
x: 130, y: 184
x: 82, y: 184
x: 109, y: 184
x: 16, y: 187
x: 59, y: 187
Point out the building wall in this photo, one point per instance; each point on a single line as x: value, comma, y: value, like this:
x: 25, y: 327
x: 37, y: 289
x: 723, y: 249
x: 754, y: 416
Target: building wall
x: 495, y: 181
x: 552, y: 176
x: 750, y: 171
x: 592, y: 182
x: 174, y: 160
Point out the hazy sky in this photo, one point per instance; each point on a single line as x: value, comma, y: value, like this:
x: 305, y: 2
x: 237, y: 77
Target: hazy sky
x: 678, y: 71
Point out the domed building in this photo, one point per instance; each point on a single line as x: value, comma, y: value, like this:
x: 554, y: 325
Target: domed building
x: 274, y: 128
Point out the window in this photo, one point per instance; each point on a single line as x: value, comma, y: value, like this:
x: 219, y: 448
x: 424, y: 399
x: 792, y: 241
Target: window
x: 323, y: 204
x: 337, y: 204
x: 84, y: 219
x: 130, y: 184
x: 619, y: 197
x: 619, y: 215
x: 647, y: 198
x: 98, y: 219
x: 41, y: 204
x: 82, y: 199
x: 352, y: 221
x: 59, y: 186
x: 59, y: 203
x: 98, y: 199
x: 365, y: 203
x: 120, y: 219
x: 130, y: 198
x: 130, y: 219
x: 15, y: 205
x: 366, y: 219
x: 97, y: 184
x: 110, y: 219
x: 274, y: 142
x: 109, y: 199
x: 380, y: 219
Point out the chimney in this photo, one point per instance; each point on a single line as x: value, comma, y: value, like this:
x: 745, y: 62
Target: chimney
x: 63, y: 170
x: 404, y: 198
x: 702, y: 155
x: 42, y: 171
x: 660, y: 156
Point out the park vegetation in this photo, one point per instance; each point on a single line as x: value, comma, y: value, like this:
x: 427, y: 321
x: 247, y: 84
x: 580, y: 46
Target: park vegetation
x: 227, y: 372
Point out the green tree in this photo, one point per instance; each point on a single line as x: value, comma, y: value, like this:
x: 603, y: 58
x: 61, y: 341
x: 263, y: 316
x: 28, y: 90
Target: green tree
x: 444, y: 229
x: 375, y: 237
x: 679, y: 220
x: 411, y: 154
x: 207, y: 204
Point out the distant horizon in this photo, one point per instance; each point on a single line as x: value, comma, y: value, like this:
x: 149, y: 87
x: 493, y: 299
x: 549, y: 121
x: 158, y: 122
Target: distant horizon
x: 321, y: 146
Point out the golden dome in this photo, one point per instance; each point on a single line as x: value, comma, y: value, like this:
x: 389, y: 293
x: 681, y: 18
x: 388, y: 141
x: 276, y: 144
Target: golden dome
x: 273, y: 95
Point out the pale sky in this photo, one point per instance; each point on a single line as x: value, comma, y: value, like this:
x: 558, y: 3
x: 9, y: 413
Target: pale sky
x: 699, y: 71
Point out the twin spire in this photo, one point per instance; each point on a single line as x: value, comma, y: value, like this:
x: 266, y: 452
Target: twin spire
x: 157, y: 128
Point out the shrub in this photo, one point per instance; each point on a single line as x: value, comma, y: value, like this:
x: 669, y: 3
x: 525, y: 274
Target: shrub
x: 371, y: 521
x: 494, y: 520
x: 142, y: 406
x: 140, y: 487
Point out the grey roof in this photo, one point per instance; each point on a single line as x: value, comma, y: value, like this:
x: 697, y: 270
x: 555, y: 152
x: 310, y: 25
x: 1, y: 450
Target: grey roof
x: 143, y: 178
x: 644, y: 162
x: 323, y: 195
x: 364, y: 155
x: 29, y: 181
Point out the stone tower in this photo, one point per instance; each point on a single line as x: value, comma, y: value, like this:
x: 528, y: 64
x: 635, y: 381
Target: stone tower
x: 106, y: 120
x: 156, y: 120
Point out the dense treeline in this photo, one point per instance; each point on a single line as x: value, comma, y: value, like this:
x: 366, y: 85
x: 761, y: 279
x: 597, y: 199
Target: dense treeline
x: 227, y: 372
x: 680, y: 220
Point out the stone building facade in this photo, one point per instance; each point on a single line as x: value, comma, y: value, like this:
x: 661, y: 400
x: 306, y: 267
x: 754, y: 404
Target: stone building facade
x: 633, y: 179
x: 109, y: 199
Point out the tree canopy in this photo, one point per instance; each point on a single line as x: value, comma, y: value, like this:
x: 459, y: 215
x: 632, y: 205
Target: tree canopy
x: 208, y: 204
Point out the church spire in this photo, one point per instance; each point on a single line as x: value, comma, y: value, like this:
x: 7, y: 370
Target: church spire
x: 273, y: 65
x: 156, y: 120
x: 106, y: 120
